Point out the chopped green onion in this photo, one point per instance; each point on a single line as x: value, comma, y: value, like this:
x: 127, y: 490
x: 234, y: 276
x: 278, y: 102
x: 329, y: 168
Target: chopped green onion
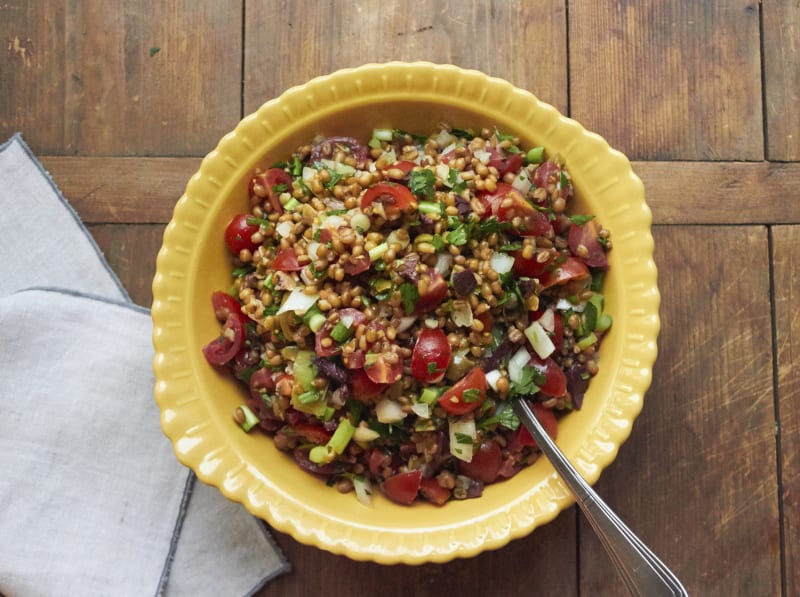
x: 245, y: 417
x: 429, y: 207
x: 430, y: 395
x: 377, y: 252
x: 603, y: 322
x: 383, y: 134
x: 308, y: 397
x: 535, y: 155
x: 253, y: 221
x: 588, y: 341
x: 316, y: 321
x: 291, y: 205
x: 341, y: 333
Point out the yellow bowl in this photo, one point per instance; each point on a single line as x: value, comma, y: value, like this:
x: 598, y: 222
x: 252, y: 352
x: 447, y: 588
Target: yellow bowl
x: 196, y: 401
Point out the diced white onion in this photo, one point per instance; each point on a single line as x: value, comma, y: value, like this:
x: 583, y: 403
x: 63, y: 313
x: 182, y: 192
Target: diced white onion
x: 492, y: 377
x: 298, y: 301
x: 459, y: 427
x: 363, y: 490
x: 365, y: 434
x: 548, y: 320
x: 565, y: 305
x: 431, y: 323
x: 405, y: 323
x: 443, y: 138
x: 443, y: 172
x: 308, y: 173
x: 522, y: 182
x: 360, y: 223
x: 515, y: 364
x: 312, y: 250
x: 333, y: 222
x: 389, y: 411
x: 458, y: 356
x: 444, y: 261
x: 284, y: 229
x: 339, y: 167
x: 422, y: 410
x: 390, y: 157
x: 483, y: 156
x: 347, y: 320
x: 501, y: 262
x: 462, y: 313
x: 539, y: 339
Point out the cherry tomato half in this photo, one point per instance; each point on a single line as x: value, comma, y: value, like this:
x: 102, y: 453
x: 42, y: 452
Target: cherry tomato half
x: 530, y: 268
x: 403, y: 487
x: 571, y: 269
x: 286, y: 261
x: 384, y: 369
x: 355, y: 265
x: 522, y: 437
x: 238, y: 234
x: 431, y: 356
x: 405, y: 166
x: 485, y: 463
x: 225, y: 305
x: 555, y: 382
x: 433, y: 492
x: 435, y: 293
x: 593, y: 253
x: 325, y: 345
x: 395, y: 199
x: 273, y: 182
x: 362, y: 387
x: 503, y: 163
x: 474, y: 385
x: 223, y: 349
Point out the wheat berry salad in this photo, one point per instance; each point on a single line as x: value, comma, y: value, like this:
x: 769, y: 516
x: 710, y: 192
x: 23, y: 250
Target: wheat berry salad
x: 390, y: 297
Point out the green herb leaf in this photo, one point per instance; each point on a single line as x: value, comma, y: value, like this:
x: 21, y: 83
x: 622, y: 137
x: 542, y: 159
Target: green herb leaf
x: 154, y: 51
x: 459, y: 235
x: 433, y: 368
x: 421, y: 183
x: 502, y: 137
x: 505, y: 417
x: 410, y: 295
x: 438, y: 242
x: 253, y: 221
x: 580, y: 220
x: 489, y: 226
x: 563, y: 181
x: 510, y: 247
x: 529, y: 383
x: 463, y: 133
x: 241, y: 272
x: 417, y: 139
x: 463, y: 438
x: 280, y: 188
x: 471, y: 395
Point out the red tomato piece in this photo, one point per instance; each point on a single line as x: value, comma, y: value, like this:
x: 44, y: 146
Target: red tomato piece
x: 312, y: 432
x: 433, y: 492
x: 558, y: 330
x: 395, y: 198
x: 238, y: 234
x: 405, y: 166
x: 354, y: 360
x: 474, y: 384
x: 261, y: 380
x: 485, y: 463
x: 378, y: 460
x: 225, y: 305
x: 546, y: 173
x: 383, y: 369
x: 403, y: 487
x: 434, y: 295
x: 223, y: 349
x: 522, y: 437
x: 570, y: 269
x: 362, y: 387
x: 530, y: 268
x: 555, y: 383
x: 505, y: 164
x: 532, y: 221
x: 268, y: 181
x: 286, y: 261
x: 431, y: 356
x: 584, y: 244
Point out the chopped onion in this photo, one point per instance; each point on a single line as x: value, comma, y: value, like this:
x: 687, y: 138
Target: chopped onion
x: 284, y: 229
x: 383, y: 134
x: 360, y: 223
x: 492, y: 377
x: 443, y: 172
x: 522, y: 182
x: 539, y: 339
x: 298, y: 301
x: 390, y: 157
x: 389, y: 411
x: 548, y: 320
x: 339, y: 167
x: 308, y: 173
x: 483, y: 156
x: 443, y: 138
x: 333, y: 222
x: 363, y: 490
x: 515, y: 364
x: 405, y: 323
x: 460, y: 428
x: 347, y: 319
x: 565, y: 305
x: 422, y: 410
x: 501, y: 262
x: 365, y: 434
x: 312, y: 250
x: 462, y: 313
x: 444, y: 261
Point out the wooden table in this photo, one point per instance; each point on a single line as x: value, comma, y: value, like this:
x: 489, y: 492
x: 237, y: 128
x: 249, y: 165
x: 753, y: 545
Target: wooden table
x: 121, y: 100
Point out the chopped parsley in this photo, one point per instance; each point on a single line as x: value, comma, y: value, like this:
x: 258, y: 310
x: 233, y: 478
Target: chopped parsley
x: 530, y: 382
x: 410, y: 295
x: 417, y: 139
x: 581, y: 219
x: 471, y: 395
x: 463, y: 438
x: 510, y: 247
x: 505, y: 417
x: 421, y: 183
x: 463, y: 133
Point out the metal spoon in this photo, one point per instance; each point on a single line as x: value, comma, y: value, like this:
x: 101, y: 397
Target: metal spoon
x: 641, y: 571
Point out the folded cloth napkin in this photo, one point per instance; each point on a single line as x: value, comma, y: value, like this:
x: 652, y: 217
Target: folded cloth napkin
x: 92, y: 499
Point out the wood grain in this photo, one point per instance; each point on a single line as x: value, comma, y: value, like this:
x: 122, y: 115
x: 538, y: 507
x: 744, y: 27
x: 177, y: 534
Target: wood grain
x: 131, y: 252
x: 786, y: 258
x: 696, y: 480
x: 144, y: 190
x: 781, y: 45
x: 112, y: 78
x: 504, y: 39
x: 669, y: 80
x: 549, y: 569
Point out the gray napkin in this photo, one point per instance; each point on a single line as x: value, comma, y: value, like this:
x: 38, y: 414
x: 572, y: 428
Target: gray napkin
x: 92, y: 499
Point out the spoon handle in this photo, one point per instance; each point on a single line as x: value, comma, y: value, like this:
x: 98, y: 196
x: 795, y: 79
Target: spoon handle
x: 641, y: 571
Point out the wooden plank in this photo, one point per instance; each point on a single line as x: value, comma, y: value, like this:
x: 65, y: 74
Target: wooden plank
x: 548, y: 555
x: 333, y: 35
x: 781, y: 47
x: 697, y: 479
x: 144, y: 190
x: 131, y: 252
x: 786, y: 260
x: 112, y: 78
x: 669, y: 80
x: 122, y: 190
